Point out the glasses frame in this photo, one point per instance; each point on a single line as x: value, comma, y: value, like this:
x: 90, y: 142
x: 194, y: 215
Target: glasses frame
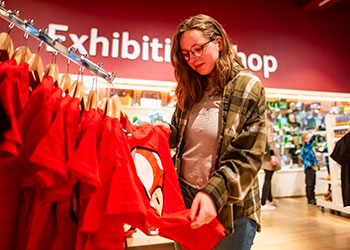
x: 187, y: 56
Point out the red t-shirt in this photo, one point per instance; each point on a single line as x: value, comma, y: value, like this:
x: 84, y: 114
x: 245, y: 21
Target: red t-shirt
x: 95, y: 210
x: 118, y: 200
x: 34, y: 122
x: 154, y: 139
x: 126, y: 198
x: 35, y: 211
x: 21, y: 85
x: 51, y: 156
x: 37, y: 105
x: 50, y: 209
x: 83, y: 165
x: 169, y: 214
x: 13, y: 96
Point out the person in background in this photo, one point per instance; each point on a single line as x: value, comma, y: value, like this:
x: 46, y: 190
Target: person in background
x: 218, y: 129
x: 271, y: 163
x: 310, y: 166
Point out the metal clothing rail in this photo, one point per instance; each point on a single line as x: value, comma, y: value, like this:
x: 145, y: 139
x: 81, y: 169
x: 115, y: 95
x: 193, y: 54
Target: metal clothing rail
x: 27, y: 26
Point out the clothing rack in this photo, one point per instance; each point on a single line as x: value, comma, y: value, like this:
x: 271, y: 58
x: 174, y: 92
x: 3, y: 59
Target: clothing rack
x: 27, y: 26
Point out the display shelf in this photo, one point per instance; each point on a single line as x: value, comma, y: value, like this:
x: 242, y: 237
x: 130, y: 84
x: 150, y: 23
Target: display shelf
x: 145, y: 111
x: 342, y: 127
x: 336, y: 139
x: 335, y: 169
x: 291, y: 122
x: 290, y: 182
x: 330, y: 205
x: 323, y: 133
x: 324, y: 179
x: 139, y: 240
x: 322, y: 154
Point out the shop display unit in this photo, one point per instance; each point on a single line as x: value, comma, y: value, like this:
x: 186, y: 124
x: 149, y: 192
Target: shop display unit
x: 291, y: 120
x: 337, y: 126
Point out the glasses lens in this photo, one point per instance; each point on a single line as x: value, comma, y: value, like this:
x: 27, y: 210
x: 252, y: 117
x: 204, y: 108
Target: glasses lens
x: 197, y: 50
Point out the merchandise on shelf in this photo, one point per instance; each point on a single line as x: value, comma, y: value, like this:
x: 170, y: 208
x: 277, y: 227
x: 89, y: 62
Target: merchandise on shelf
x: 291, y: 120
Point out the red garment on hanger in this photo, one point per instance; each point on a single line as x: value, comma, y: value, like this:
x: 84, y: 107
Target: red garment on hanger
x: 13, y: 96
x: 45, y: 216
x: 118, y: 200
x: 83, y: 163
x: 84, y: 166
x: 57, y: 188
x: 34, y: 122
x: 174, y: 222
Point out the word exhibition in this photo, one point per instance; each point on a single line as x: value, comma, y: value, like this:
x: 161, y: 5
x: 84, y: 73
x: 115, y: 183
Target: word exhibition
x: 145, y: 47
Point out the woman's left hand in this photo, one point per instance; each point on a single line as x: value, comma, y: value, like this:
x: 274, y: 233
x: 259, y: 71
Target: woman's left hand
x: 273, y: 160
x: 203, y: 210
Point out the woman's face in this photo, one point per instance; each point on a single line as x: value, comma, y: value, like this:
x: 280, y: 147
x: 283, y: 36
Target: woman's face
x: 192, y: 40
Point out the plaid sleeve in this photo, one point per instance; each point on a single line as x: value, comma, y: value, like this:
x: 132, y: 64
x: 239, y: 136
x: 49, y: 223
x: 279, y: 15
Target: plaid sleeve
x: 246, y: 141
x: 174, y: 127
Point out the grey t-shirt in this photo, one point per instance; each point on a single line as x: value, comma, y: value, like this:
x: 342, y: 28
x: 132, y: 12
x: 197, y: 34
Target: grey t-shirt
x: 201, y: 139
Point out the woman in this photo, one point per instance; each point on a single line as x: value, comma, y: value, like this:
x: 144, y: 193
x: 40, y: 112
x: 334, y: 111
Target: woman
x: 271, y: 163
x: 218, y: 130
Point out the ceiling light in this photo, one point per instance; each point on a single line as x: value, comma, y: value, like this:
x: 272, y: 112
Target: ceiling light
x: 323, y: 2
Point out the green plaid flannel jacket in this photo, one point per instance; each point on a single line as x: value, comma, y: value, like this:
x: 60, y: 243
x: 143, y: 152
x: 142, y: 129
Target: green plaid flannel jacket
x: 234, y: 184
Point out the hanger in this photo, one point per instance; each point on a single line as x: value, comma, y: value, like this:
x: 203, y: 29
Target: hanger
x: 6, y: 44
x: 80, y: 91
x: 89, y: 99
x: 109, y: 108
x: 77, y: 89
x: 103, y: 104
x: 106, y: 103
x: 72, y: 88
x: 35, y: 68
x: 117, y: 107
x: 65, y: 80
x: 88, y: 102
x: 112, y: 106
x: 52, y: 69
x: 92, y: 102
x: 22, y: 53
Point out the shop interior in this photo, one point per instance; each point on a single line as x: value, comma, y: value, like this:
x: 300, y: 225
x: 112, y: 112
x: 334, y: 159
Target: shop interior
x: 326, y: 114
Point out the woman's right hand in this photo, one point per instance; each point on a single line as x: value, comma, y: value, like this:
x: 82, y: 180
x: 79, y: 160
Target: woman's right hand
x: 203, y: 210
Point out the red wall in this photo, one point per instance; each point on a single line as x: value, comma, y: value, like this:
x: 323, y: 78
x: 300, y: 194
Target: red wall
x: 312, y: 49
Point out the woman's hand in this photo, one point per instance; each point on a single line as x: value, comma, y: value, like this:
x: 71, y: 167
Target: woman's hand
x: 273, y: 160
x: 203, y: 210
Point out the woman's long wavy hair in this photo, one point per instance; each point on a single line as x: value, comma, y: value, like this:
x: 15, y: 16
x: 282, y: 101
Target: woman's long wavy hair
x: 191, y: 85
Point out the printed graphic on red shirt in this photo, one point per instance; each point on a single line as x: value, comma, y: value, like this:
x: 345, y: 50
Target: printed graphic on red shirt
x: 151, y: 172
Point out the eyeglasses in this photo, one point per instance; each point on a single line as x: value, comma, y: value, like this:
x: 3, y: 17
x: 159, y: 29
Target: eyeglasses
x: 196, y: 50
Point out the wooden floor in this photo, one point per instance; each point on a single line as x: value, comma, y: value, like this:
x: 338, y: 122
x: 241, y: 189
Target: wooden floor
x: 296, y: 225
